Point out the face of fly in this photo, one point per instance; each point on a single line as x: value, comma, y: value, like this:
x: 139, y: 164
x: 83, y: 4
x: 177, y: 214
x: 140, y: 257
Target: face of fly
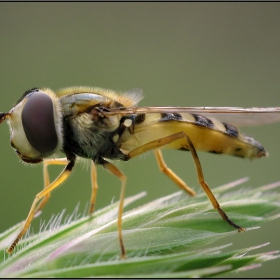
x: 35, y: 125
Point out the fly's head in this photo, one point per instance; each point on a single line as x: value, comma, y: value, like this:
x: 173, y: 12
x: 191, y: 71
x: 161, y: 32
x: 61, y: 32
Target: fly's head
x: 35, y: 125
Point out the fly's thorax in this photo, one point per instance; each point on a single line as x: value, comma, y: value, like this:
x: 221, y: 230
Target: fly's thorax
x: 36, y: 125
x: 90, y: 133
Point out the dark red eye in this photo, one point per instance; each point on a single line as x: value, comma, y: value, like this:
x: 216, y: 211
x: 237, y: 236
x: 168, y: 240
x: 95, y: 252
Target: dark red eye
x: 38, y: 122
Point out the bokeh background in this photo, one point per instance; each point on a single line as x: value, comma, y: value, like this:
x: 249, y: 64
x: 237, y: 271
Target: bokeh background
x: 186, y: 54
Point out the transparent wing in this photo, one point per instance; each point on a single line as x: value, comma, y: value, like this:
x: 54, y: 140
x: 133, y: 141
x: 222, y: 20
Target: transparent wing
x: 234, y: 115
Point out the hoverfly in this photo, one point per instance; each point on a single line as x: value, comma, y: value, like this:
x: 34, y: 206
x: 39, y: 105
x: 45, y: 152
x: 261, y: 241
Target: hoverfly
x: 102, y: 125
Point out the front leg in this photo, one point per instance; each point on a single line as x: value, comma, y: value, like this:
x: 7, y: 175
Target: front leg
x: 46, y: 163
x: 45, y: 192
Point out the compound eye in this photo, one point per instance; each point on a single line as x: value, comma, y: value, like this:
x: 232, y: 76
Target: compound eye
x: 38, y: 122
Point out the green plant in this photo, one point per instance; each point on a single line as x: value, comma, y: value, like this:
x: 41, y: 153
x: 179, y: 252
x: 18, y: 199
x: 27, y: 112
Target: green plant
x: 168, y: 237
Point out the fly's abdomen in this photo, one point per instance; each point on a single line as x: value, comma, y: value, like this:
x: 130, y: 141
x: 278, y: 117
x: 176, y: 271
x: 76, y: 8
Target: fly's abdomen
x: 207, y: 134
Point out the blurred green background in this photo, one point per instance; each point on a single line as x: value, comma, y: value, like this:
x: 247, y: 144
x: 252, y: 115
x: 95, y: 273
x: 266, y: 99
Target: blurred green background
x: 186, y: 54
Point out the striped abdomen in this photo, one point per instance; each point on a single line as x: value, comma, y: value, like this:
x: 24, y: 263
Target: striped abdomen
x: 207, y: 134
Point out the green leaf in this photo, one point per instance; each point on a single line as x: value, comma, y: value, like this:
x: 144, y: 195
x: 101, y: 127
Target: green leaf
x: 168, y: 237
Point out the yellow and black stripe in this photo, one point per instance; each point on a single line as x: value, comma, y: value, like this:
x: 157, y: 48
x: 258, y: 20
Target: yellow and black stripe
x: 207, y: 134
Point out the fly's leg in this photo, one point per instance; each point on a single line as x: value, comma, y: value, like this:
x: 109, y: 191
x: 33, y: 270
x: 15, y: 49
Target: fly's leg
x: 167, y: 171
x: 168, y: 139
x: 155, y: 144
x: 206, y: 188
x: 59, y: 180
x: 115, y: 171
x: 94, y: 188
x: 46, y: 163
x: 64, y: 161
